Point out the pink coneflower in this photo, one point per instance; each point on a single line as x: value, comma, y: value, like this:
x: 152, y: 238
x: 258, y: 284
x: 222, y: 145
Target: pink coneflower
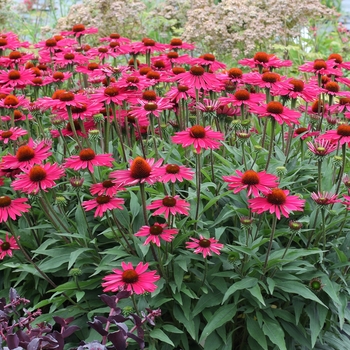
x: 7, y: 246
x: 208, y: 60
x: 116, y: 38
x: 102, y: 204
x: 133, y: 82
x: 12, y: 134
x: 266, y: 80
x: 14, y: 102
x: 136, y: 280
x: 58, y: 77
x: 92, y: 69
x: 147, y: 108
x: 79, y: 30
x: 176, y: 93
x: 27, y: 155
x: 70, y: 57
x: 205, y: 246
x: 38, y: 177
x: 341, y: 134
x: 11, y: 208
x: 252, y: 181
x: 198, y: 78
x: 321, y: 67
x: 173, y: 173
x: 324, y: 198
x: 140, y: 171
x: 343, y: 106
x: 169, y: 205
x: 16, y: 58
x: 155, y: 232
x: 106, y: 187
x: 207, y: 106
x: 277, y: 111
x: 9, y: 41
x: 242, y: 97
x: 66, y: 99
x: 347, y: 202
x: 276, y: 201
x: 16, y: 79
x: 147, y: 45
x: 177, y: 44
x: 262, y: 59
x: 304, y: 133
x: 83, y: 111
x: 87, y: 158
x: 199, y: 137
x: 294, y: 88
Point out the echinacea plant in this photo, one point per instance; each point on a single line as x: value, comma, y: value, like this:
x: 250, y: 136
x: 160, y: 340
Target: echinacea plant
x: 206, y: 205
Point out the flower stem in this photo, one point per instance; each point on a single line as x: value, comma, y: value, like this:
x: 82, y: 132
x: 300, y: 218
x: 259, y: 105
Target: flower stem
x: 198, y: 186
x: 273, y: 229
x: 143, y: 202
x: 273, y: 123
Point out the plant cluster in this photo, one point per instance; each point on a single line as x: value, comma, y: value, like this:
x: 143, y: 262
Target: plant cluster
x: 209, y: 202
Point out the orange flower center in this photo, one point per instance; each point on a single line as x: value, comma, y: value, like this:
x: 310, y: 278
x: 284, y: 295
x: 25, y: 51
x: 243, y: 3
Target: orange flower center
x: 343, y: 130
x: 87, y: 154
x: 262, y: 57
x: 114, y: 36
x: 50, y: 42
x: 66, y: 96
x: 274, y: 107
x: 150, y: 106
x: 317, y: 105
x: 172, y: 54
x: 76, y: 125
x: 298, y: 85
x: 15, y: 55
x: 37, y: 173
x: 6, y: 134
x: 78, y: 28
x: 159, y: 64
x: 5, y: 246
x: 113, y: 44
x: 148, y: 42
x: 176, y: 42
x: 11, y: 100
x: 270, y: 77
x: 344, y: 100
x: 276, y: 197
x: 36, y: 71
x: 242, y: 95
x: 25, y: 153
x: 182, y: 88
x: 56, y: 95
x: 92, y: 66
x: 235, y: 73
x: 335, y: 56
x: 320, y: 64
x: 111, y: 91
x: 102, y: 50
x: 197, y: 70
x: 208, y: 57
x: 17, y: 114
x: 81, y: 109
x: 14, y: 75
x: 3, y: 42
x: 300, y: 130
x: 5, y: 201
x: 107, y: 184
x: 42, y: 67
x: 153, y: 75
x: 69, y: 56
x: 130, y: 276
x: 133, y: 80
x: 250, y: 177
x: 172, y: 168
x: 197, y: 131
x: 145, y: 70
x: 149, y: 95
x: 332, y: 86
x: 103, y: 199
x: 140, y: 169
x: 58, y: 75
x: 178, y: 70
x: 169, y: 202
x: 156, y: 230
x: 37, y: 81
x: 204, y: 243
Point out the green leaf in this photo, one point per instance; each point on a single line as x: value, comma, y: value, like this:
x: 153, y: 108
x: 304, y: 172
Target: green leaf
x: 220, y: 317
x: 247, y: 282
x: 275, y: 333
x: 271, y: 284
x: 207, y: 300
x: 160, y: 335
x: 317, y: 315
x: 256, y: 293
x: 79, y: 295
x: 298, y: 288
x: 172, y: 329
x: 256, y: 333
x: 75, y: 254
x: 134, y: 206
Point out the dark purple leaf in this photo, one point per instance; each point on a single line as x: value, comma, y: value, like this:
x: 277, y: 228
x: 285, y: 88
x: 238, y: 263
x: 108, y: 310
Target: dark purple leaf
x: 12, y: 341
x: 118, y: 340
x: 13, y: 295
x: 117, y: 318
x: 123, y: 327
x: 123, y: 295
x: 69, y: 331
x: 23, y: 337
x: 109, y: 301
x: 98, y: 327
x: 34, y: 344
x: 59, y: 338
x: 140, y: 341
x: 59, y: 320
x: 138, y: 324
x: 102, y: 319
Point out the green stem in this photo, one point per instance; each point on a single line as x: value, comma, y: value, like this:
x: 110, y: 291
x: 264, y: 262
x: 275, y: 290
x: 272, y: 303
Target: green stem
x: 198, y: 186
x: 273, y: 229
x: 273, y: 123
x: 143, y: 202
